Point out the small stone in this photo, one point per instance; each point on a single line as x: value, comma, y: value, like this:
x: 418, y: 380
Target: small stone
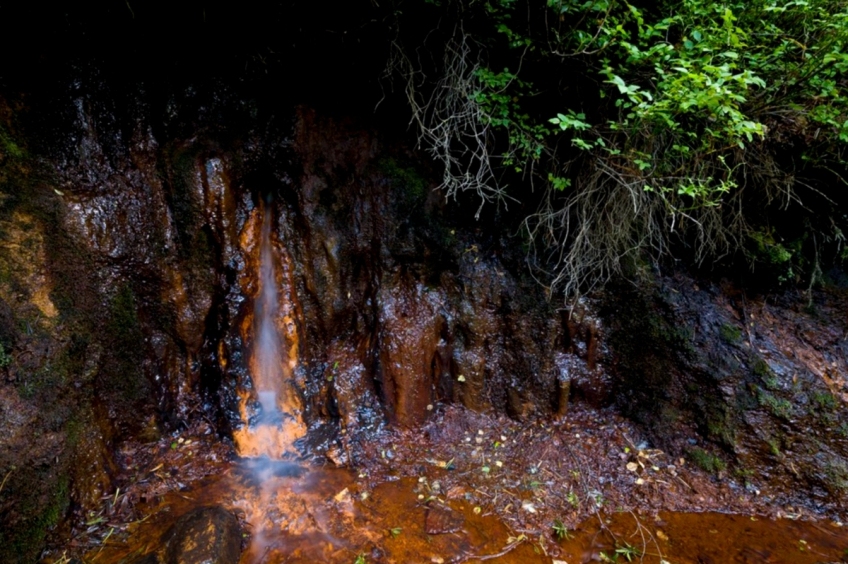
x: 528, y: 507
x: 440, y: 520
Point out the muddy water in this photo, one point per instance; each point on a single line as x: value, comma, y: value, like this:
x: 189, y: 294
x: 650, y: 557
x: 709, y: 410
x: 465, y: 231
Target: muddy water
x: 705, y: 538
x: 297, y: 514
x: 332, y: 515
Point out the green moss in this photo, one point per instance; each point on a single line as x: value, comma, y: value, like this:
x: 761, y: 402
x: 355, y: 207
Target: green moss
x: 8, y: 145
x: 774, y: 446
x: 74, y: 430
x: 5, y: 358
x: 25, y: 543
x: 123, y: 323
x: 125, y: 382
x: 778, y: 407
x: 824, y: 401
x: 720, y: 429
x: 836, y: 475
x: 730, y: 333
x: 707, y: 461
x: 780, y: 260
x: 404, y: 176
x: 762, y: 370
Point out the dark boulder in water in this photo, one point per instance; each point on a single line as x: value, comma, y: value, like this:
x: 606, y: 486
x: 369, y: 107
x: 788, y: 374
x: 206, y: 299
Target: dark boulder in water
x: 208, y: 535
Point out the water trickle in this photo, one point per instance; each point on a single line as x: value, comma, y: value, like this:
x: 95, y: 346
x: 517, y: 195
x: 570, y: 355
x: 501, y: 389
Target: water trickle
x: 271, y: 417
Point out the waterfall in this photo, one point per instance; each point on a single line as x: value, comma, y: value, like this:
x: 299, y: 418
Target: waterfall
x: 271, y: 416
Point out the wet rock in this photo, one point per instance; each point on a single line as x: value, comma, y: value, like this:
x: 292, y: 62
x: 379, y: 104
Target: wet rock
x: 411, y: 331
x: 440, y: 520
x: 208, y: 535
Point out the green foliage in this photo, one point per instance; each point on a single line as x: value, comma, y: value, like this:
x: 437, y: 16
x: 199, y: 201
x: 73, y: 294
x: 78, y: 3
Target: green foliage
x: 560, y: 530
x: 653, y: 122
x: 497, y: 97
x: 704, y: 78
x: 572, y: 498
x: 774, y: 446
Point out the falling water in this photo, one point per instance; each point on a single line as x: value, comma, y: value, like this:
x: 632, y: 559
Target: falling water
x: 271, y: 427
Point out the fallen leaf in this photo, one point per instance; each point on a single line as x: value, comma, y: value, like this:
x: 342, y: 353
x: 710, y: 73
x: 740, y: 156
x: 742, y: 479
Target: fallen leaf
x: 343, y: 496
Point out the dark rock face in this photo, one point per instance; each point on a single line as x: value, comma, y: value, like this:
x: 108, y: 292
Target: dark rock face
x: 745, y: 387
x: 389, y: 307
x: 208, y: 535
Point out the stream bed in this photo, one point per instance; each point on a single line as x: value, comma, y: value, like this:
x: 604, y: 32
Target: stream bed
x: 408, y: 504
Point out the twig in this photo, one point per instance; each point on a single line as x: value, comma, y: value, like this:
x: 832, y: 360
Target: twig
x: 506, y: 550
x: 9, y: 473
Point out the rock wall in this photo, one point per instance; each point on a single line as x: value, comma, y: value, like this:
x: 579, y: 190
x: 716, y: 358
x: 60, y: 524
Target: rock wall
x: 130, y: 283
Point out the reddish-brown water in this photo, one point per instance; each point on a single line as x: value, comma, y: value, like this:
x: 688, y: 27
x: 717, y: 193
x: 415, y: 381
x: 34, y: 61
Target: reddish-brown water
x: 417, y: 510
x: 335, y: 516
